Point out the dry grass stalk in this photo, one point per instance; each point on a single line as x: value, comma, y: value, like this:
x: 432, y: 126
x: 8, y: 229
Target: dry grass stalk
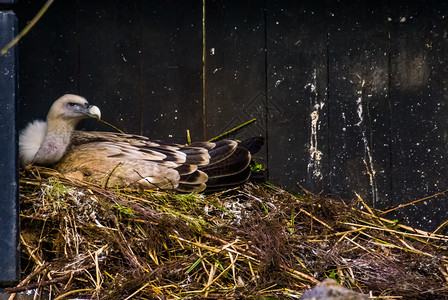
x: 80, y: 240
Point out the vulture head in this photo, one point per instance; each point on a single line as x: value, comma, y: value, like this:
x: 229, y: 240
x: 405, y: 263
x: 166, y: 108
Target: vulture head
x: 45, y: 142
x: 125, y: 160
x: 70, y: 109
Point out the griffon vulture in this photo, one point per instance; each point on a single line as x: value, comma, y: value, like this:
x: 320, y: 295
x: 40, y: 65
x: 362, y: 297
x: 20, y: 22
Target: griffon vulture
x: 126, y: 160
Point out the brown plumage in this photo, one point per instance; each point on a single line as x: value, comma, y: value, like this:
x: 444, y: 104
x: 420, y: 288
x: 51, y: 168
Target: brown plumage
x: 125, y: 160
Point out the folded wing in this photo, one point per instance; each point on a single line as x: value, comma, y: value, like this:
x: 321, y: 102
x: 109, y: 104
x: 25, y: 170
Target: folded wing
x: 124, y: 160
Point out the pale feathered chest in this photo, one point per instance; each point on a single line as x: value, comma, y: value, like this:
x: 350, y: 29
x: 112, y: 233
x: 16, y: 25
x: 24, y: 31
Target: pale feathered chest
x: 39, y: 145
x: 30, y: 140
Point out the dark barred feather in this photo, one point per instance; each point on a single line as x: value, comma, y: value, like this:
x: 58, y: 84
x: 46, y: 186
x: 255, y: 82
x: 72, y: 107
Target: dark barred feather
x: 135, y: 161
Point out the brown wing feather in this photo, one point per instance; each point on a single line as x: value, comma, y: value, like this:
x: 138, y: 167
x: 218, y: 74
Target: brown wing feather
x: 123, y: 160
x: 230, y: 181
x: 233, y: 164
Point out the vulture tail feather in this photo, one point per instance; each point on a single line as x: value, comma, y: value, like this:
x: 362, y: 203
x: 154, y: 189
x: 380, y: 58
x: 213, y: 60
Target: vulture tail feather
x: 196, y: 177
x: 235, y: 163
x: 205, y: 145
x: 190, y: 188
x: 222, y: 150
x: 227, y: 182
x: 186, y: 169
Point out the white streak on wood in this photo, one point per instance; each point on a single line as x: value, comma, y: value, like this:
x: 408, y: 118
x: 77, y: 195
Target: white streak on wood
x: 314, y: 164
x: 367, y: 159
x: 314, y: 161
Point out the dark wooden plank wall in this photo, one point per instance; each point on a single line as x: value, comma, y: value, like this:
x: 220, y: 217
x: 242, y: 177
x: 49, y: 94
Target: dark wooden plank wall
x: 297, y: 84
x: 351, y: 96
x: 358, y: 77
x: 172, y: 69
x: 230, y: 27
x: 418, y: 99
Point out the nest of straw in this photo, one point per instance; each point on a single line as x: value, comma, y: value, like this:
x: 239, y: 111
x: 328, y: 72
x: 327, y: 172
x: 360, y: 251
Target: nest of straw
x: 82, y: 241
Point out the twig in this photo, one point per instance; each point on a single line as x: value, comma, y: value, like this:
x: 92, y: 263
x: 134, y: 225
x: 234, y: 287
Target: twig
x: 440, y: 226
x: 41, y: 283
x: 210, y: 281
x: 188, y: 137
x: 137, y: 291
x: 313, y: 217
x: 29, y: 277
x: 72, y: 292
x: 415, y: 201
x: 408, y: 228
x: 30, y: 252
x: 407, y: 234
x: 27, y: 27
x: 285, y: 268
x: 232, y: 130
x: 110, y: 125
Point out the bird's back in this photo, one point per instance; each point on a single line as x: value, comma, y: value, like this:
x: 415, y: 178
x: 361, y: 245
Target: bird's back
x: 124, y: 160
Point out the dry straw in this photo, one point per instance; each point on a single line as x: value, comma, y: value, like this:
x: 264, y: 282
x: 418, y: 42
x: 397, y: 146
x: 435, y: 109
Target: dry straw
x: 82, y: 241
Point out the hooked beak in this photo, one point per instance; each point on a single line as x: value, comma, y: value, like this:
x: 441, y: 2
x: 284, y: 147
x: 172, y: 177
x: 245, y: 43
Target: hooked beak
x: 94, y: 112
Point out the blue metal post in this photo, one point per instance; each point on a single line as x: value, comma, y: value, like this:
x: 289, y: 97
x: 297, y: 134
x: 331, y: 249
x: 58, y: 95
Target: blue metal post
x: 9, y: 204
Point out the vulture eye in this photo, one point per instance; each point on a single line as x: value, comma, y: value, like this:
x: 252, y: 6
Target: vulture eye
x: 71, y: 104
